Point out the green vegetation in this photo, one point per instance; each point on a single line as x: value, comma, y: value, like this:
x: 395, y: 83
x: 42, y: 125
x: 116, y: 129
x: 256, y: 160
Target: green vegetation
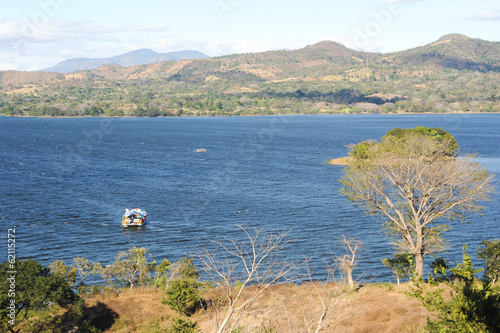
x: 84, y: 269
x: 183, y: 325
x: 400, y: 265
x: 457, y: 74
x: 445, y: 142
x: 438, y: 268
x: 35, y: 291
x: 490, y: 253
x: 183, y: 296
x: 48, y: 304
x: 182, y: 288
x: 130, y: 268
x: 474, y: 305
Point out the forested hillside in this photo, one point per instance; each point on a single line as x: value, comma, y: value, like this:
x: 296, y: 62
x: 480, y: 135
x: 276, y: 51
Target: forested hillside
x: 454, y: 74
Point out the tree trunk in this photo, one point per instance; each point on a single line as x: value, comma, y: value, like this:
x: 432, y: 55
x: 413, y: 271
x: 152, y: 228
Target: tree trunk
x: 419, y: 250
x: 320, y: 323
x: 226, y: 320
x: 419, y: 264
x: 349, y: 278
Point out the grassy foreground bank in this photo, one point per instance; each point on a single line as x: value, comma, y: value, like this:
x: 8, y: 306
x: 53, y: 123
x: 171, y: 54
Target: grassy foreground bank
x: 283, y: 308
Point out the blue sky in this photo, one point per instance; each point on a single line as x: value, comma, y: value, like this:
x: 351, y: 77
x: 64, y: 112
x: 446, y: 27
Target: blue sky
x: 36, y: 34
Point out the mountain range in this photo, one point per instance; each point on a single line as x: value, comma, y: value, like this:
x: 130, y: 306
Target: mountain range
x: 452, y: 74
x: 136, y: 57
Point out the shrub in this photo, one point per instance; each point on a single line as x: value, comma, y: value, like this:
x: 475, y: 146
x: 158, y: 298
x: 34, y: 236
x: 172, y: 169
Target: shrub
x: 400, y: 265
x: 490, y: 253
x: 183, y: 325
x: 473, y: 306
x: 182, y: 296
x: 439, y: 266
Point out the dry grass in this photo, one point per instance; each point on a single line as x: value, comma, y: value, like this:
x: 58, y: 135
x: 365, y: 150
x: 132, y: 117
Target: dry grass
x: 8, y: 78
x: 384, y: 309
x: 285, y: 308
x: 265, y: 73
x: 340, y: 161
x: 239, y: 90
x: 25, y: 90
x: 134, y: 310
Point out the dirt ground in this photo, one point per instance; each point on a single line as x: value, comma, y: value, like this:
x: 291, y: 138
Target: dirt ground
x: 285, y: 308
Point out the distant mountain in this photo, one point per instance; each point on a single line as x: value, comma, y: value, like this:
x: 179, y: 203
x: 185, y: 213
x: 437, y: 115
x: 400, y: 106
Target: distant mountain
x: 137, y: 57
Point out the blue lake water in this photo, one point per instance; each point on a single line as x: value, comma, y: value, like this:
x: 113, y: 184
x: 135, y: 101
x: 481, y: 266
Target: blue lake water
x: 66, y: 183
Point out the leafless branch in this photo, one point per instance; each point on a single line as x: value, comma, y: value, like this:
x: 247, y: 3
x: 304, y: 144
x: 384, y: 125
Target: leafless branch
x: 234, y: 266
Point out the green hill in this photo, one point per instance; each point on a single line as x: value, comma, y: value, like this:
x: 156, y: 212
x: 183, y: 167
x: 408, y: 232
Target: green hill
x: 453, y: 74
x: 453, y: 51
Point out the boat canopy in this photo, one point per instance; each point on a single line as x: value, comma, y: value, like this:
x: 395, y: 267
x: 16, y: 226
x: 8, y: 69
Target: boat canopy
x: 135, y: 212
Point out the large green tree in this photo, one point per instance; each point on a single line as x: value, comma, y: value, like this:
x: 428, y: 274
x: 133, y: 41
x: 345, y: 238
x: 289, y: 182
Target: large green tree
x: 26, y: 287
x: 414, y: 181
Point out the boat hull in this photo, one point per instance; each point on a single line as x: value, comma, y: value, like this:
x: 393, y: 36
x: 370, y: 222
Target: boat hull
x: 127, y: 222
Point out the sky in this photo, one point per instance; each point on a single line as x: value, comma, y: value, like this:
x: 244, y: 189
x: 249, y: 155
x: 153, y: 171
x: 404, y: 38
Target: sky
x: 36, y: 34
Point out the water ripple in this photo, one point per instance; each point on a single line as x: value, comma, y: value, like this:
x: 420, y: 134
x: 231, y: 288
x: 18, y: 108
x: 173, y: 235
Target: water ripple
x: 67, y: 202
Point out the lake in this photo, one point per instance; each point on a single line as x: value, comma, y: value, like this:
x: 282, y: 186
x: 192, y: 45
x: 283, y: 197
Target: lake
x: 66, y: 183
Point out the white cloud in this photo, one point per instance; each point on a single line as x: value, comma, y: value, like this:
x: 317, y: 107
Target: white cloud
x: 220, y: 47
x: 214, y: 47
x: 54, y: 30
x: 61, y: 40
x: 27, y: 45
x: 493, y: 15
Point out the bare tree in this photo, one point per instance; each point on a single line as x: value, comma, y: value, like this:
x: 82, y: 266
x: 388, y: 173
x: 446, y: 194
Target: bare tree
x: 242, y: 271
x: 415, y: 184
x: 349, y: 261
x: 328, y: 295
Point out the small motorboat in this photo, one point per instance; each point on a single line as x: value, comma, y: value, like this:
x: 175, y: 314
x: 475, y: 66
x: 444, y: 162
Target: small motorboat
x: 134, y: 218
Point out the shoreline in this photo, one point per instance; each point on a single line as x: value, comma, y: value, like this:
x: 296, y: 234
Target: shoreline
x: 340, y: 161
x: 263, y: 115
